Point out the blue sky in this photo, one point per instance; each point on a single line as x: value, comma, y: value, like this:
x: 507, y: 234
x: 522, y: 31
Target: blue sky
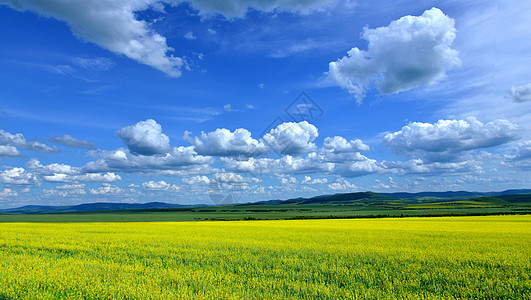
x: 198, y: 101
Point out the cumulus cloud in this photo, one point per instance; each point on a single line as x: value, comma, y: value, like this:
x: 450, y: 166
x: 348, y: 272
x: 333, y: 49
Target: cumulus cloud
x: 447, y: 139
x: 160, y: 186
x: 309, y: 180
x: 18, y: 140
x: 420, y: 167
x: 523, y: 150
x: 292, y: 138
x: 145, y: 138
x: 339, y: 144
x: 199, y: 179
x: 113, y: 25
x: 65, y: 173
x: 408, y: 53
x: 71, y: 142
x: 9, y: 151
x: 362, y: 167
x: 7, y: 192
x: 179, y: 158
x: 521, y: 93
x: 521, y: 157
x: 88, y: 177
x: 341, y: 184
x: 106, y: 189
x: 223, y: 142
x: 17, y: 176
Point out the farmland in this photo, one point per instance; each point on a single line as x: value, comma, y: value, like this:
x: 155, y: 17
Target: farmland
x: 440, y: 257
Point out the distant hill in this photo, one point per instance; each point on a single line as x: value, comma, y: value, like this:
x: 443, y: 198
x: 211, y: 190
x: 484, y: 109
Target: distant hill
x: 90, y: 207
x: 365, y: 199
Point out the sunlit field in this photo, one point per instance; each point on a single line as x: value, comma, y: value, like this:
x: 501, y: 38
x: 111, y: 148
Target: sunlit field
x: 452, y: 257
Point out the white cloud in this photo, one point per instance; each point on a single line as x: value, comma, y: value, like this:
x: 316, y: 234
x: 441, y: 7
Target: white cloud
x: 292, y: 138
x: 227, y: 107
x: 6, y: 192
x: 35, y: 166
x: 339, y: 144
x: 189, y: 36
x: 288, y: 180
x: 521, y: 158
x: 341, y: 185
x: 106, y: 189
x: 17, y: 176
x: 9, y: 151
x: 410, y: 52
x: 71, y: 142
x: 521, y: 93
x: 228, y: 178
x: 70, y: 186
x: 447, y: 139
x: 145, y: 138
x: 160, y: 186
x: 419, y: 167
x: 523, y: 150
x: 223, y: 142
x: 178, y: 159
x: 311, y: 163
x: 199, y: 179
x: 309, y: 180
x: 66, y: 173
x: 113, y: 25
x: 362, y: 167
x: 88, y: 177
x: 18, y: 140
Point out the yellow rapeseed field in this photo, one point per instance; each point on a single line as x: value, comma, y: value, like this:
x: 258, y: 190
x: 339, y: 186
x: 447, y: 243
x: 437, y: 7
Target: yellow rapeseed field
x: 432, y: 258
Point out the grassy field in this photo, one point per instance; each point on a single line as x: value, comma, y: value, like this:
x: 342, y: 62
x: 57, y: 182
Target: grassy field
x: 450, y: 257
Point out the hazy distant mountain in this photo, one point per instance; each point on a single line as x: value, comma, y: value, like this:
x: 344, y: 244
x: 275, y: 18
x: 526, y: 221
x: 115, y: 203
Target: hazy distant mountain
x: 89, y: 207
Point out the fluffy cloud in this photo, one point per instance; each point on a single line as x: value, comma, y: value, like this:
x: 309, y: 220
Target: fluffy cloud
x: 447, y: 139
x: 521, y: 158
x: 66, y: 173
x: 309, y: 180
x: 18, y: 140
x: 181, y: 158
x: 160, y: 186
x: 113, y: 25
x: 341, y: 185
x: 17, y: 176
x: 71, y: 142
x: 106, y: 189
x: 199, y: 179
x: 292, y: 138
x: 88, y: 177
x: 410, y: 52
x: 523, y: 150
x: 145, y: 138
x: 339, y: 144
x: 6, y: 192
x: 35, y: 166
x: 8, y: 151
x: 419, y: 167
x: 521, y: 93
x: 362, y: 167
x: 223, y: 142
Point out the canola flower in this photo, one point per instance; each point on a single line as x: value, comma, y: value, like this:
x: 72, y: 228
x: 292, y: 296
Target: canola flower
x: 414, y: 258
